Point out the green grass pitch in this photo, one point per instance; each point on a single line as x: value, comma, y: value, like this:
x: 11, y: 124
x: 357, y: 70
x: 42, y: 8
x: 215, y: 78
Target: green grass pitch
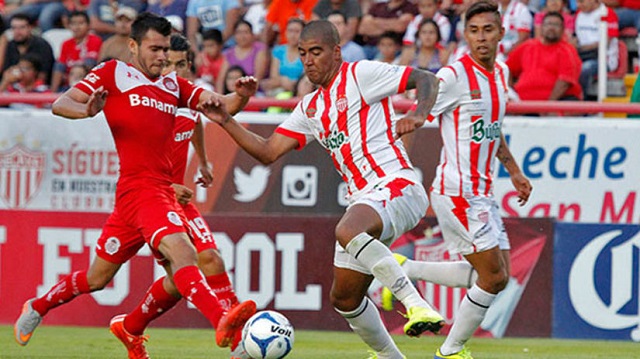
x: 84, y: 342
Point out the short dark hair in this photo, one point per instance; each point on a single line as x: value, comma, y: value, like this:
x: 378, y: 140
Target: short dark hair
x: 394, y: 36
x: 80, y: 14
x: 554, y: 14
x: 323, y: 30
x: 339, y: 13
x: 481, y: 7
x: 214, y: 35
x: 22, y: 16
x: 33, y: 59
x: 295, y: 20
x: 179, y: 43
x: 241, y: 22
x: 238, y: 68
x: 148, y: 21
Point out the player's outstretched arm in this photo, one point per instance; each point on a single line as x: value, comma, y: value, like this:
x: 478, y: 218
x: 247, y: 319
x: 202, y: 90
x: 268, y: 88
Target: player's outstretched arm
x: 265, y: 150
x: 75, y: 104
x: 518, y: 179
x: 426, y: 85
x: 246, y: 87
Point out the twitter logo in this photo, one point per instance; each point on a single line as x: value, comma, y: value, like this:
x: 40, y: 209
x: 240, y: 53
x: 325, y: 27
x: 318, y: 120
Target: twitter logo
x: 251, y: 185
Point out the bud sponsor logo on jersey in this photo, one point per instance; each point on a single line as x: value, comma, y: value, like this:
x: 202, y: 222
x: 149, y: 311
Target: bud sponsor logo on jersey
x: 299, y: 186
x: 250, y: 186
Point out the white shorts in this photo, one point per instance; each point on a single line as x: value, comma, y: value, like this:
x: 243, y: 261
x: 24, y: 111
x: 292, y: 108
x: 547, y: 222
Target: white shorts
x: 469, y: 225
x: 400, y: 201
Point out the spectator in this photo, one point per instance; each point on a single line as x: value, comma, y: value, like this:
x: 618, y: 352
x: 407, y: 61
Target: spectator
x: 256, y: 15
x: 349, y: 8
x: 557, y: 6
x: 286, y: 67
x: 247, y: 53
x: 24, y: 42
x: 635, y: 96
x: 351, y: 51
x: 546, y: 68
x: 391, y: 15
x: 166, y: 8
x: 517, y: 22
x: 76, y: 74
x: 102, y: 14
x: 23, y: 78
x: 428, y: 10
x: 628, y: 12
x: 209, y: 15
x: 278, y: 16
x: 82, y: 49
x: 48, y: 13
x: 389, y: 46
x: 117, y: 46
x: 587, y: 39
x: 210, y: 60
x: 230, y: 77
x: 428, y: 54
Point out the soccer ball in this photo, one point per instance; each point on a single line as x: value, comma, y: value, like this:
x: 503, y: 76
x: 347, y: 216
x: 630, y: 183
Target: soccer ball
x: 267, y: 335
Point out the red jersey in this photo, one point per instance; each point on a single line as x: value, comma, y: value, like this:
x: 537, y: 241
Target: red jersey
x: 141, y: 115
x: 74, y: 53
x: 186, y: 121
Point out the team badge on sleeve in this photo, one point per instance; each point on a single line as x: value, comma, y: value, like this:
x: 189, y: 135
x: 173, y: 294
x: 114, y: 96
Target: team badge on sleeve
x: 174, y: 218
x: 112, y: 246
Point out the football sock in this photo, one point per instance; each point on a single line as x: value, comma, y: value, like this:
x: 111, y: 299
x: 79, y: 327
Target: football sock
x: 155, y: 302
x: 458, y: 274
x: 376, y: 257
x: 64, y: 291
x: 194, y: 288
x: 365, y: 321
x: 472, y: 310
x: 221, y: 286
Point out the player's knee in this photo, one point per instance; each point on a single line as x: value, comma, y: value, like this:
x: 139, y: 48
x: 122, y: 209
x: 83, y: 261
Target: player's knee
x: 497, y: 281
x: 343, y: 234
x: 210, y: 262
x: 343, y: 301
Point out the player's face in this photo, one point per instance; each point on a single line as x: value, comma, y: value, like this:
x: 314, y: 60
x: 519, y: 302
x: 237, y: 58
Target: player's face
x: 321, y: 61
x: 151, y: 55
x: 177, y: 61
x: 483, y: 32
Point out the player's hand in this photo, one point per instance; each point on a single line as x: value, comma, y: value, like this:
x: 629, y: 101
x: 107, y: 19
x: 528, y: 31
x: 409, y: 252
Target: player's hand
x: 216, y: 113
x: 523, y: 186
x: 183, y: 194
x: 408, y: 124
x: 96, y: 101
x: 246, y: 86
x: 206, y: 175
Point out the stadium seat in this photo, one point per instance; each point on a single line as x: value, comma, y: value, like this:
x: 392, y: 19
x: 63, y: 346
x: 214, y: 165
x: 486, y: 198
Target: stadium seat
x: 630, y: 37
x: 615, y: 78
x: 55, y: 38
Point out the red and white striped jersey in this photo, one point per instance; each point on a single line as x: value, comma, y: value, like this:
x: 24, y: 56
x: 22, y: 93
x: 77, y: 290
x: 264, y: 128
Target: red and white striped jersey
x: 141, y: 115
x: 354, y: 120
x: 470, y: 107
x: 186, y: 121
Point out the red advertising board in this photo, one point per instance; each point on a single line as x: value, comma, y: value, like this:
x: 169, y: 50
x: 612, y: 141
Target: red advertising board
x: 281, y: 262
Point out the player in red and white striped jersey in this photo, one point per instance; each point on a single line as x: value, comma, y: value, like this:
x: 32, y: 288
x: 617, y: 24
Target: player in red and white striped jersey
x: 352, y: 117
x: 140, y: 106
x: 470, y: 107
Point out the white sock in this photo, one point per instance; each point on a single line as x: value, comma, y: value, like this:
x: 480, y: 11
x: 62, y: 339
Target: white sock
x: 376, y: 257
x: 459, y: 274
x: 472, y: 310
x: 365, y: 321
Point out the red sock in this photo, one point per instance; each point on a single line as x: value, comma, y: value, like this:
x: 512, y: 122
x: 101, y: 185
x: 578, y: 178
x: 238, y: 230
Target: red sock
x: 221, y: 286
x: 64, y: 291
x: 193, y: 287
x: 155, y: 303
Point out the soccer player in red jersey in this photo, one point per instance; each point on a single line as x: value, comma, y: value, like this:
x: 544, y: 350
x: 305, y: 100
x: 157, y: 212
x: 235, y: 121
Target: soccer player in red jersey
x: 162, y: 295
x: 352, y: 117
x: 140, y: 106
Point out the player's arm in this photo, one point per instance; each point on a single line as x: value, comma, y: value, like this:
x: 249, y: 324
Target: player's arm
x: 426, y: 85
x: 206, y: 173
x: 246, y: 87
x: 76, y: 104
x: 265, y: 150
x: 518, y: 179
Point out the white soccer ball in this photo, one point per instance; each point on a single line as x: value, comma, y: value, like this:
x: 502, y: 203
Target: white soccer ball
x: 267, y: 335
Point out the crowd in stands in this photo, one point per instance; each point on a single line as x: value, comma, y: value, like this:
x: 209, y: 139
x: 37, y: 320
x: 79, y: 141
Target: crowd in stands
x: 550, y: 46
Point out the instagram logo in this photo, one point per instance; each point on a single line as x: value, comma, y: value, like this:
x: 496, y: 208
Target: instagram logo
x: 299, y: 186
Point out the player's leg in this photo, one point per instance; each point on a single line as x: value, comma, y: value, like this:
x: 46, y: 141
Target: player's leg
x: 456, y: 274
x: 492, y: 278
x: 348, y: 297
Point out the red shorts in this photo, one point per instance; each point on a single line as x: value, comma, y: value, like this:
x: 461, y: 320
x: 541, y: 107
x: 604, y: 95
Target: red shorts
x: 141, y: 216
x: 202, y: 238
